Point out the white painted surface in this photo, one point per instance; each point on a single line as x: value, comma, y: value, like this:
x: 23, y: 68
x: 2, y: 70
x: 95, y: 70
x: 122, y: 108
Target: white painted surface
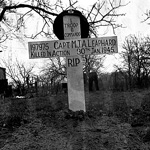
x: 71, y: 27
x: 76, y: 94
x: 73, y: 47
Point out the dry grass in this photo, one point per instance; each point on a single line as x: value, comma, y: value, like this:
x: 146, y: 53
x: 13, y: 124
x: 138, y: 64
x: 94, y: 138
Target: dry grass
x: 105, y: 126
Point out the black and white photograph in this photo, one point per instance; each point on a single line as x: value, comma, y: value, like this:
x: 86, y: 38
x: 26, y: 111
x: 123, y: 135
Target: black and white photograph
x: 74, y: 74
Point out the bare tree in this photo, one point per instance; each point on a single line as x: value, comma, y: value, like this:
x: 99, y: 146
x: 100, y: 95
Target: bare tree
x: 101, y: 14
x: 147, y: 16
x: 55, y: 69
x: 93, y: 63
x: 135, y: 58
x: 128, y: 58
x: 53, y: 73
x: 18, y: 72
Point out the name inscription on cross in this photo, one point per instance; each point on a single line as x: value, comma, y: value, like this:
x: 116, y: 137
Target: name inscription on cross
x: 72, y: 28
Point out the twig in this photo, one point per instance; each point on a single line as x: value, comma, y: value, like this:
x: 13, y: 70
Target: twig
x: 24, y: 6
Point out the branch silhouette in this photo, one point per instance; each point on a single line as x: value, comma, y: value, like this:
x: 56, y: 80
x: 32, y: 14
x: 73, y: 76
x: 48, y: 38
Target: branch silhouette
x: 24, y: 6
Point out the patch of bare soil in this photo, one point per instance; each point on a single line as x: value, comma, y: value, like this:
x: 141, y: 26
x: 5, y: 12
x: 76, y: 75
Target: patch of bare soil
x: 45, y: 123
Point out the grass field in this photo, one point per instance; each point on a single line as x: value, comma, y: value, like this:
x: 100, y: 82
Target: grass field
x: 112, y: 121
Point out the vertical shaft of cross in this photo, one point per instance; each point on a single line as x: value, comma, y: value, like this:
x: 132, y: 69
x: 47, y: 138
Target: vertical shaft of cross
x: 75, y: 80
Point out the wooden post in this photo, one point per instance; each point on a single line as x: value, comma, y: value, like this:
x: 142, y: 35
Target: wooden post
x: 75, y: 80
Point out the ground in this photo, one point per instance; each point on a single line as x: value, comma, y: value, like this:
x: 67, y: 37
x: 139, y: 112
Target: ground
x: 45, y: 123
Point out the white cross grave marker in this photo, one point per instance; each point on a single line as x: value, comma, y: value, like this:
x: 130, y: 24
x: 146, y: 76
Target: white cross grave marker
x: 74, y: 66
x: 73, y: 47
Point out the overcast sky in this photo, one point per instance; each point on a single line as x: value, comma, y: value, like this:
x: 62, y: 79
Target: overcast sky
x: 132, y: 22
x: 133, y: 25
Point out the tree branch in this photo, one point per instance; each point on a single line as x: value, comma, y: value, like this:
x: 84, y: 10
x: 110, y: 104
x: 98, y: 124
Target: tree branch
x: 24, y: 6
x: 147, y: 16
